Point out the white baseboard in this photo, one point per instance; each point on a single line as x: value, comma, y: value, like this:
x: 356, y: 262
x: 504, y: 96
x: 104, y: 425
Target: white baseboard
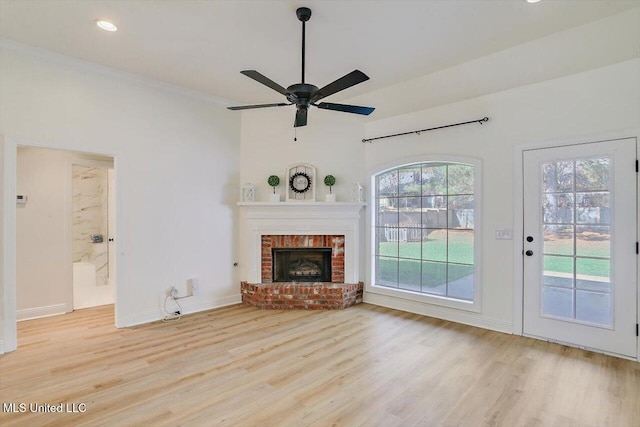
x: 45, y: 311
x: 189, y: 305
x: 445, y: 313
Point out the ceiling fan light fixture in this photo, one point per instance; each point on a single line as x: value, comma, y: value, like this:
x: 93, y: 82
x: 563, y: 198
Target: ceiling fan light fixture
x: 106, y: 25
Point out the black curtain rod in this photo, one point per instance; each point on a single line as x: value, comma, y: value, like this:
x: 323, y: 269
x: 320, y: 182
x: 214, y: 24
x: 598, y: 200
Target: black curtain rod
x: 417, y: 132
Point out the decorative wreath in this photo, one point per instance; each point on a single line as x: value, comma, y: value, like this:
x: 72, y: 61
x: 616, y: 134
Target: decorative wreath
x: 296, y: 175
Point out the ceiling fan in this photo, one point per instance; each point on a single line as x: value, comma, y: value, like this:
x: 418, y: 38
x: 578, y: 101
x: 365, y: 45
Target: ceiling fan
x: 304, y: 94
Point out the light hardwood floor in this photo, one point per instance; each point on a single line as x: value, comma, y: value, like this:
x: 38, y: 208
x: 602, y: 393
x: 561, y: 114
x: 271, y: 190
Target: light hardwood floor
x: 367, y: 365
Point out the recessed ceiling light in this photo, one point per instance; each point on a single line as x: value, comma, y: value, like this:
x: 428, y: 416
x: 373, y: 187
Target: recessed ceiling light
x: 106, y: 25
x: 533, y: 1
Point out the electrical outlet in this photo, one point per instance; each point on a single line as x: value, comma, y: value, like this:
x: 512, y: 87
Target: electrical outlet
x: 193, y: 286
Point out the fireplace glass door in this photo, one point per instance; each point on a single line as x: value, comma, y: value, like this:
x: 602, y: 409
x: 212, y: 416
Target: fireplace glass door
x: 301, y: 264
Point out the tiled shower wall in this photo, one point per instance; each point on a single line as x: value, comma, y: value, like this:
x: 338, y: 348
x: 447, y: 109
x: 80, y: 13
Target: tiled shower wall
x: 90, y: 210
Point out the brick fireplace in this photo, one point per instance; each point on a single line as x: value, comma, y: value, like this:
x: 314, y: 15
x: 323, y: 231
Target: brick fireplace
x: 335, y: 242
x: 269, y: 226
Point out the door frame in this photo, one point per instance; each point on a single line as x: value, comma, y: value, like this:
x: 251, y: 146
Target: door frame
x: 518, y: 216
x: 9, y: 159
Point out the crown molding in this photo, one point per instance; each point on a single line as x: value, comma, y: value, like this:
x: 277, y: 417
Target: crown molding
x: 103, y: 70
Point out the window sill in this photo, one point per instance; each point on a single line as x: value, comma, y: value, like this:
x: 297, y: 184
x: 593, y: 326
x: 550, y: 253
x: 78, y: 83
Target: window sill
x: 473, y: 306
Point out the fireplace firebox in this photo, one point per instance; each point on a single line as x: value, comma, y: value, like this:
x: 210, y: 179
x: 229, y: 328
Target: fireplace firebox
x: 301, y: 264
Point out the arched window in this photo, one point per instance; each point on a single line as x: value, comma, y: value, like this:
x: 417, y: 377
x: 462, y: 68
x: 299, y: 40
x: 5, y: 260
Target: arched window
x: 424, y: 229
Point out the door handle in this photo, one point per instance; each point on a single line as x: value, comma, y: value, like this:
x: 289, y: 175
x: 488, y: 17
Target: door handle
x: 529, y: 252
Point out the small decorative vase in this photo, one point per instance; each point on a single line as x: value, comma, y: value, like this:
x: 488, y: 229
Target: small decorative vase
x: 275, y: 197
x: 330, y: 198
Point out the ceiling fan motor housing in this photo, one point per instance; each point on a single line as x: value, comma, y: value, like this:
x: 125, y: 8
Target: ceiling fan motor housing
x: 302, y: 93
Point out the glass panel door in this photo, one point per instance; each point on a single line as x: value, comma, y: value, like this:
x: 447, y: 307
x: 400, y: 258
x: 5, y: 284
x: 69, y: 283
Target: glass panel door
x: 580, y: 218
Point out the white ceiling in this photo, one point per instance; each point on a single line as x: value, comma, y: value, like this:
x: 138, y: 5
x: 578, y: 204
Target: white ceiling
x: 202, y: 45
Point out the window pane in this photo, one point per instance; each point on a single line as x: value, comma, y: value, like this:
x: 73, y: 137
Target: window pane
x: 460, y: 179
x: 387, y: 184
x: 557, y: 302
x: 557, y: 208
x: 434, y: 277
x: 593, y: 274
x: 461, y: 246
x: 593, y: 241
x: 410, y: 181
x: 387, y: 214
x: 460, y: 281
x: 434, y: 179
x: 409, y: 212
x: 557, y: 177
x: 593, y: 174
x: 411, y: 249
x: 558, y: 240
x: 593, y: 307
x: 461, y: 208
x: 434, y: 211
x: 592, y: 208
x: 434, y: 245
x: 409, y: 275
x: 387, y: 272
x: 558, y: 271
x: 386, y: 241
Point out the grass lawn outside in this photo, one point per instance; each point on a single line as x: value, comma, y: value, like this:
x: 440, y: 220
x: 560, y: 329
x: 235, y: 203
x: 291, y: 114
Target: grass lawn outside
x: 422, y: 266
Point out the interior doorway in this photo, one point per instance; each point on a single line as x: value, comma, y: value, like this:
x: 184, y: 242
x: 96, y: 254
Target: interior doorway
x: 580, y: 231
x: 62, y: 232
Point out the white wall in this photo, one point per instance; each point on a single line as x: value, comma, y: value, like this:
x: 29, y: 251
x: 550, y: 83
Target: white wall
x: 587, y: 104
x: 177, y: 170
x: 331, y: 142
x: 43, y: 233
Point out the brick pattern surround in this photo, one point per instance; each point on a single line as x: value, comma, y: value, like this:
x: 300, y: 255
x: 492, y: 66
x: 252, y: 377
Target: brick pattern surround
x: 333, y: 241
x: 296, y: 296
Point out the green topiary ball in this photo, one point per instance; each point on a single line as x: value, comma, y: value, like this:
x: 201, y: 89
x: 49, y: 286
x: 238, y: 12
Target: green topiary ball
x: 329, y: 180
x: 273, y: 181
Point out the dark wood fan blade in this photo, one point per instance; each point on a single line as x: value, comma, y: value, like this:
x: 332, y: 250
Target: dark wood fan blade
x: 249, y: 107
x: 344, y: 82
x: 356, y: 109
x: 264, y: 80
x: 301, y: 117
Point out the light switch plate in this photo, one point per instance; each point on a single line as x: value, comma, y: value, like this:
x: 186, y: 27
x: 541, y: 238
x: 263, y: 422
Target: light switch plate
x: 504, y: 234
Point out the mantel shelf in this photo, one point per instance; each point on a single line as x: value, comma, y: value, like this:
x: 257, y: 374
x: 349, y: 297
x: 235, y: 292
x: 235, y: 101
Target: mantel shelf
x: 303, y: 205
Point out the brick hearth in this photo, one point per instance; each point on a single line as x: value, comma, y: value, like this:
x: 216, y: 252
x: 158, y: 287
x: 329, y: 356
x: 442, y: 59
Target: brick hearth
x: 311, y: 296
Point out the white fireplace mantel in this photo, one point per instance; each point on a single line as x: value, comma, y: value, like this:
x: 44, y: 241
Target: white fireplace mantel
x: 304, y: 218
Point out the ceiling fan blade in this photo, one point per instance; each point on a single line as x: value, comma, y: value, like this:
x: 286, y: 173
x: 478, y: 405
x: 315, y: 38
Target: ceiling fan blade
x: 344, y: 82
x: 264, y: 80
x: 249, y: 107
x: 301, y: 117
x: 356, y: 109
